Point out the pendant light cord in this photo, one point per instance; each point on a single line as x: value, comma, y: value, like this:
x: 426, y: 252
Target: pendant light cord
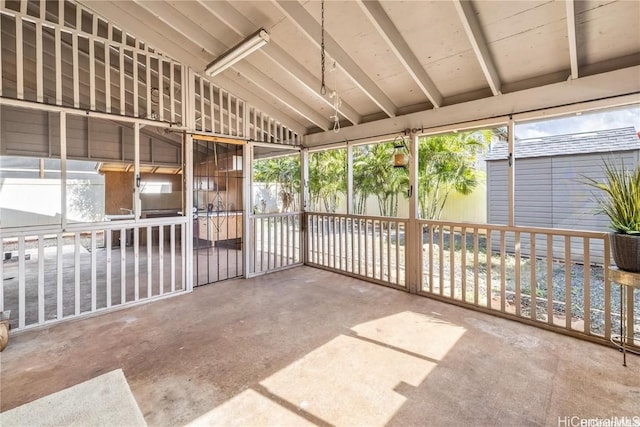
x: 323, y: 88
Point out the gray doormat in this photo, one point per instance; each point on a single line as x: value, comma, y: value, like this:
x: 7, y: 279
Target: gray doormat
x: 102, y: 401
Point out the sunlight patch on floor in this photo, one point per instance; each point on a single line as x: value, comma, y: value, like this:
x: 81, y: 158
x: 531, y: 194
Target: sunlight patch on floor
x: 413, y: 332
x: 349, y: 380
x: 249, y: 408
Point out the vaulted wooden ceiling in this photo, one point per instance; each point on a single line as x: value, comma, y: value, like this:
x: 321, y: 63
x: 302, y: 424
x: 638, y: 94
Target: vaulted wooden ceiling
x: 393, y: 58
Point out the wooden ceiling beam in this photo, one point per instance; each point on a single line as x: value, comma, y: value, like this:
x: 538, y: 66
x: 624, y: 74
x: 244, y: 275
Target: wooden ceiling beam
x: 571, y: 33
x: 478, y: 43
x: 388, y: 31
x: 239, y: 24
x: 605, y: 90
x: 311, y: 28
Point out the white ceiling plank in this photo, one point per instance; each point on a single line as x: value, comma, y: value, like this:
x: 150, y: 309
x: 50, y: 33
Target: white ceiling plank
x: 571, y: 32
x: 308, y: 80
x: 190, y: 30
x: 230, y: 16
x: 283, y: 95
x: 614, y: 88
x: 241, y: 25
x: 174, y: 19
x: 311, y: 28
x: 480, y: 48
x: 386, y: 28
x: 121, y: 14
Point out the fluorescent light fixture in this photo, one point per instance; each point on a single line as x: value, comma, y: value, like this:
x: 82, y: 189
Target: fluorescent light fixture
x: 252, y: 43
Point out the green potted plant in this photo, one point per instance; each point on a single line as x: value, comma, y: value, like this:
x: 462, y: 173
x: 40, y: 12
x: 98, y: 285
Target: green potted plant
x: 619, y: 199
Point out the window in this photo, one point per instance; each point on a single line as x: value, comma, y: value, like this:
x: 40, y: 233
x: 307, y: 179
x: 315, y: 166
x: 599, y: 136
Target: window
x: 276, y: 181
x: 452, y: 175
x: 85, y: 191
x: 30, y: 191
x: 156, y: 187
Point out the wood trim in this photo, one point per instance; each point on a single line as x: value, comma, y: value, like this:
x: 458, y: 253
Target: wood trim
x: 221, y: 139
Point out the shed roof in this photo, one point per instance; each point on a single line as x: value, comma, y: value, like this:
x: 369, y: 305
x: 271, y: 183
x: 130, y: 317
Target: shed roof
x: 605, y: 141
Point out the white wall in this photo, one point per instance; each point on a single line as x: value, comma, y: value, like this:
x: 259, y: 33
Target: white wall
x: 470, y: 208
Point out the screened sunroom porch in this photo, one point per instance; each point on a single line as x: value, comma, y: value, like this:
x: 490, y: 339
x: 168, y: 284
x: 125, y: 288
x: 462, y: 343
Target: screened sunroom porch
x: 119, y: 87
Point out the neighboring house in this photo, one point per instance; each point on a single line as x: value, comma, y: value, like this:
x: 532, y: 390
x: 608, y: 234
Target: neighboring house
x: 549, y: 181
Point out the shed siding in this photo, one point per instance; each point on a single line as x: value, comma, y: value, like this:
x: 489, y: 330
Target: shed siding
x: 534, y: 207
x: 550, y: 193
x: 497, y: 212
x: 574, y: 207
x: 37, y: 134
x: 24, y: 132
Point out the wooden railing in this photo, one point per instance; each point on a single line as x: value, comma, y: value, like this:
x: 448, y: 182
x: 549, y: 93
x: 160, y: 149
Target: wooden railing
x: 368, y: 247
x: 557, y: 279
x: 276, y: 242
x: 50, y: 275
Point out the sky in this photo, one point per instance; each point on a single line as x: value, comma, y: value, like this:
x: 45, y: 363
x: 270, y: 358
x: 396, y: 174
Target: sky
x: 586, y: 122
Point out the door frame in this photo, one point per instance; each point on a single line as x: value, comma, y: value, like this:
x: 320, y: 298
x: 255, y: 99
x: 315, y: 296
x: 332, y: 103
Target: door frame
x: 194, y: 138
x: 248, y: 193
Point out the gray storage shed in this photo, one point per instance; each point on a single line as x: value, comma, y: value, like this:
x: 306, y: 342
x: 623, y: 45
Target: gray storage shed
x: 548, y: 174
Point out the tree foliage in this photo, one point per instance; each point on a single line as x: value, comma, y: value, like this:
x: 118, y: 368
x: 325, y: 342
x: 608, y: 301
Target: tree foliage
x: 374, y: 174
x: 447, y: 163
x: 327, y: 179
x: 86, y: 201
x: 284, y: 172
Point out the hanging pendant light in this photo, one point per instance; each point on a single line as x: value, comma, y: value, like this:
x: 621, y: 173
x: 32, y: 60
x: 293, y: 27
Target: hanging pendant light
x: 400, y: 152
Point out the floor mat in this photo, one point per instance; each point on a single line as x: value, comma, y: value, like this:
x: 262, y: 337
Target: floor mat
x: 102, y: 401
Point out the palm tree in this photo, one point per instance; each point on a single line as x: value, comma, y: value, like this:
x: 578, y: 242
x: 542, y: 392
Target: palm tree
x: 373, y: 174
x: 284, y: 172
x: 363, y: 185
x: 446, y: 163
x: 327, y: 178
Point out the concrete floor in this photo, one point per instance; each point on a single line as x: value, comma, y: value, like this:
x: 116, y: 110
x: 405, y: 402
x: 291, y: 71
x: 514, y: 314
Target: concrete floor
x: 308, y: 346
